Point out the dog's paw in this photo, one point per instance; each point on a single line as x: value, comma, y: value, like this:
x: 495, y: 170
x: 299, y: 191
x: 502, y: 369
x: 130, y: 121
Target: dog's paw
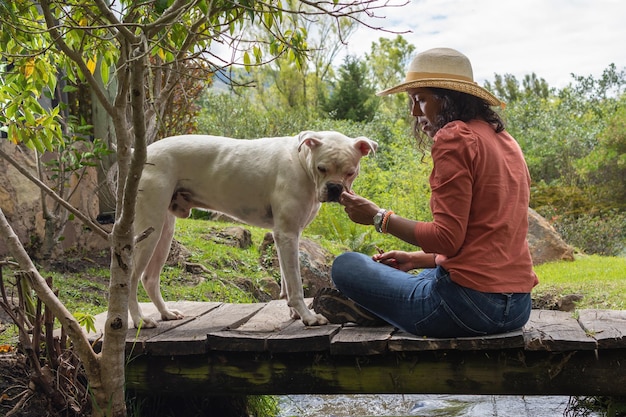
x: 172, y: 315
x: 145, y: 323
x: 314, y: 319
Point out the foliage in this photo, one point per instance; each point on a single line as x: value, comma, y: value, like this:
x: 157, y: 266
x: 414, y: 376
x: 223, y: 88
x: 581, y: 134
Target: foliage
x: 388, y: 60
x: 54, y: 367
x: 603, y: 234
x: 352, y: 97
x: 573, y: 140
x: 226, y: 114
x: 604, y: 168
x: 508, y: 88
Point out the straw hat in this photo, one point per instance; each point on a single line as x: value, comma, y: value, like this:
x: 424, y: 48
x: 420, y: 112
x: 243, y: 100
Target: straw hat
x: 442, y: 68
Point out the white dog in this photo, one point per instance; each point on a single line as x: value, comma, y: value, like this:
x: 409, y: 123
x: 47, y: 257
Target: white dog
x: 276, y: 183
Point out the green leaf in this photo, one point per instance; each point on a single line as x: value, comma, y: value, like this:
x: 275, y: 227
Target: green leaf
x: 88, y: 321
x: 104, y: 72
x: 246, y: 61
x: 203, y: 6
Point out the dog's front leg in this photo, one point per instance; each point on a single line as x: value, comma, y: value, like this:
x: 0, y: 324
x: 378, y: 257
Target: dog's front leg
x: 291, y: 281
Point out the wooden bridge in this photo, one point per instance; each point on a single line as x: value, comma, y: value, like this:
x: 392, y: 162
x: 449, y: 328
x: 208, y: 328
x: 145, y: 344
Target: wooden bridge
x: 225, y: 349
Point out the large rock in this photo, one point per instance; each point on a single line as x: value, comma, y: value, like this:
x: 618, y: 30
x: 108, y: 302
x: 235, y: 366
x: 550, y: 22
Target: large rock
x: 546, y: 245
x: 315, y: 263
x: 20, y: 200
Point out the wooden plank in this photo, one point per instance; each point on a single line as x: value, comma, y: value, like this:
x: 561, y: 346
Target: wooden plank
x: 136, y: 338
x: 251, y: 336
x: 191, y: 337
x: 607, y: 327
x: 406, y: 342
x: 274, y: 316
x: 555, y: 331
x: 300, y: 338
x: 359, y: 340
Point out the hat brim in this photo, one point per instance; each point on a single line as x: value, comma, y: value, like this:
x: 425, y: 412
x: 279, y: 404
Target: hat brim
x: 449, y: 84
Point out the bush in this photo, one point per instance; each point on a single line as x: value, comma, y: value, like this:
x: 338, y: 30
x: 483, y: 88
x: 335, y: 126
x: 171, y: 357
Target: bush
x: 595, y: 234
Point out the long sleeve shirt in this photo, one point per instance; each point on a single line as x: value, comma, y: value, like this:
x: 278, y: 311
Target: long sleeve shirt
x: 480, y: 193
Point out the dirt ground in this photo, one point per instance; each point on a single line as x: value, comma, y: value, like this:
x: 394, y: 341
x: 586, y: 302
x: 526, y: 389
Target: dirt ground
x: 15, y: 391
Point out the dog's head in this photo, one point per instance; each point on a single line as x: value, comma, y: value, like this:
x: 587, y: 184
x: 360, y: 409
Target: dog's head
x: 333, y: 160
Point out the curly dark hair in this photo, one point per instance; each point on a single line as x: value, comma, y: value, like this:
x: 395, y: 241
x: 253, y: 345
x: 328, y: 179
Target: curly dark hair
x: 456, y: 105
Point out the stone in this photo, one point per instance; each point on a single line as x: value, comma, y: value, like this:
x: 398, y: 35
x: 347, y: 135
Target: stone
x: 545, y: 243
x: 315, y: 263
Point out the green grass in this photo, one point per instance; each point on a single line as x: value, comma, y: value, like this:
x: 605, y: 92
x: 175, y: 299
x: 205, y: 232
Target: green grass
x: 600, y: 279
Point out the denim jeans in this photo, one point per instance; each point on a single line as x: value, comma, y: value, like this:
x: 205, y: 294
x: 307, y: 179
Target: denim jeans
x: 429, y: 303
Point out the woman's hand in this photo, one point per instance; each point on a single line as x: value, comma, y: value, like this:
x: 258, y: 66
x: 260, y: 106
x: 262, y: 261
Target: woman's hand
x: 406, y: 261
x: 359, y: 209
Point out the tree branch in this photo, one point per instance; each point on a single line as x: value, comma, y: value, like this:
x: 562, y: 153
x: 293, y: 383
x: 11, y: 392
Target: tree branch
x: 74, y: 56
x: 94, y: 226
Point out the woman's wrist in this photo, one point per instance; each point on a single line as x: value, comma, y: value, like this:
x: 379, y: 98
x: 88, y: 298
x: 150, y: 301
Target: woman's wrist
x: 381, y: 220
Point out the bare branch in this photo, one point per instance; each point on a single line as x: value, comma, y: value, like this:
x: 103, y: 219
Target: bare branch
x: 94, y: 226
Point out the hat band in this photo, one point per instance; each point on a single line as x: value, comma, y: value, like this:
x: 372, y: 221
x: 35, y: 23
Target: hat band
x: 417, y: 76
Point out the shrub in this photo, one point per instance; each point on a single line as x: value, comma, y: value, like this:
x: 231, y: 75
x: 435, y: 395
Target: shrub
x: 595, y: 234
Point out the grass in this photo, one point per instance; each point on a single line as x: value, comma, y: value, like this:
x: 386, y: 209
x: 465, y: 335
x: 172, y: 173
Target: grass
x: 600, y: 279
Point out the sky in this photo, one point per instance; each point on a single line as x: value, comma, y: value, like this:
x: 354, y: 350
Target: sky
x: 552, y: 38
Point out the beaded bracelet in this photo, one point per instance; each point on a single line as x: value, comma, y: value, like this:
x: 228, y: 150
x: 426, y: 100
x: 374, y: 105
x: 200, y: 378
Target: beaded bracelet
x: 385, y: 223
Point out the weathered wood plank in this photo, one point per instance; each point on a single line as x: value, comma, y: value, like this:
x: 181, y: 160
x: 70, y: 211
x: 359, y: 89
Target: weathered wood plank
x: 556, y: 331
x: 361, y: 340
x: 297, y: 337
x: 251, y: 336
x: 191, y: 337
x: 136, y: 339
x: 406, y: 342
x: 607, y: 327
x: 273, y: 317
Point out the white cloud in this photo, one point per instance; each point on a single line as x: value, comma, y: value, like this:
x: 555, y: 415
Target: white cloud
x: 552, y: 38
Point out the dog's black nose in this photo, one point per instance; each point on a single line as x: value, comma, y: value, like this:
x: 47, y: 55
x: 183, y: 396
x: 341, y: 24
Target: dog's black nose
x: 334, y: 192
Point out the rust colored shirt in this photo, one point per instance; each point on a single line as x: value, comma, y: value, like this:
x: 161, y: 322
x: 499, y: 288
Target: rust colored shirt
x: 480, y: 192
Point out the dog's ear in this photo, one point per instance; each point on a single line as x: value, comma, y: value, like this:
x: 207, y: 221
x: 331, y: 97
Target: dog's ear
x: 309, y: 139
x: 365, y: 145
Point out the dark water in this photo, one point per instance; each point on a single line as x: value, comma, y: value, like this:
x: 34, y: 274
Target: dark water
x: 422, y: 405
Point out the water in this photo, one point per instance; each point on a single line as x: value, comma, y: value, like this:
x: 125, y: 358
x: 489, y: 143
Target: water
x: 422, y: 405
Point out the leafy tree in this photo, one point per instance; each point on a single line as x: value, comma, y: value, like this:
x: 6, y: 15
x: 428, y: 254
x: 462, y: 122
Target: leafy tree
x: 142, y: 47
x: 508, y: 88
x: 353, y: 97
x: 388, y: 61
x: 604, y: 168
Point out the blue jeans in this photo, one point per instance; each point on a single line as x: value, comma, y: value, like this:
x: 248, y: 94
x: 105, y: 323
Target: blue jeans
x: 429, y: 303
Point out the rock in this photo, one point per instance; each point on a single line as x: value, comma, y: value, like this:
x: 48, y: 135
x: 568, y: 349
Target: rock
x: 20, y: 200
x: 545, y: 244
x: 568, y: 302
x: 178, y: 254
x: 236, y: 236
x: 315, y: 263
x: 552, y: 300
x: 270, y: 290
